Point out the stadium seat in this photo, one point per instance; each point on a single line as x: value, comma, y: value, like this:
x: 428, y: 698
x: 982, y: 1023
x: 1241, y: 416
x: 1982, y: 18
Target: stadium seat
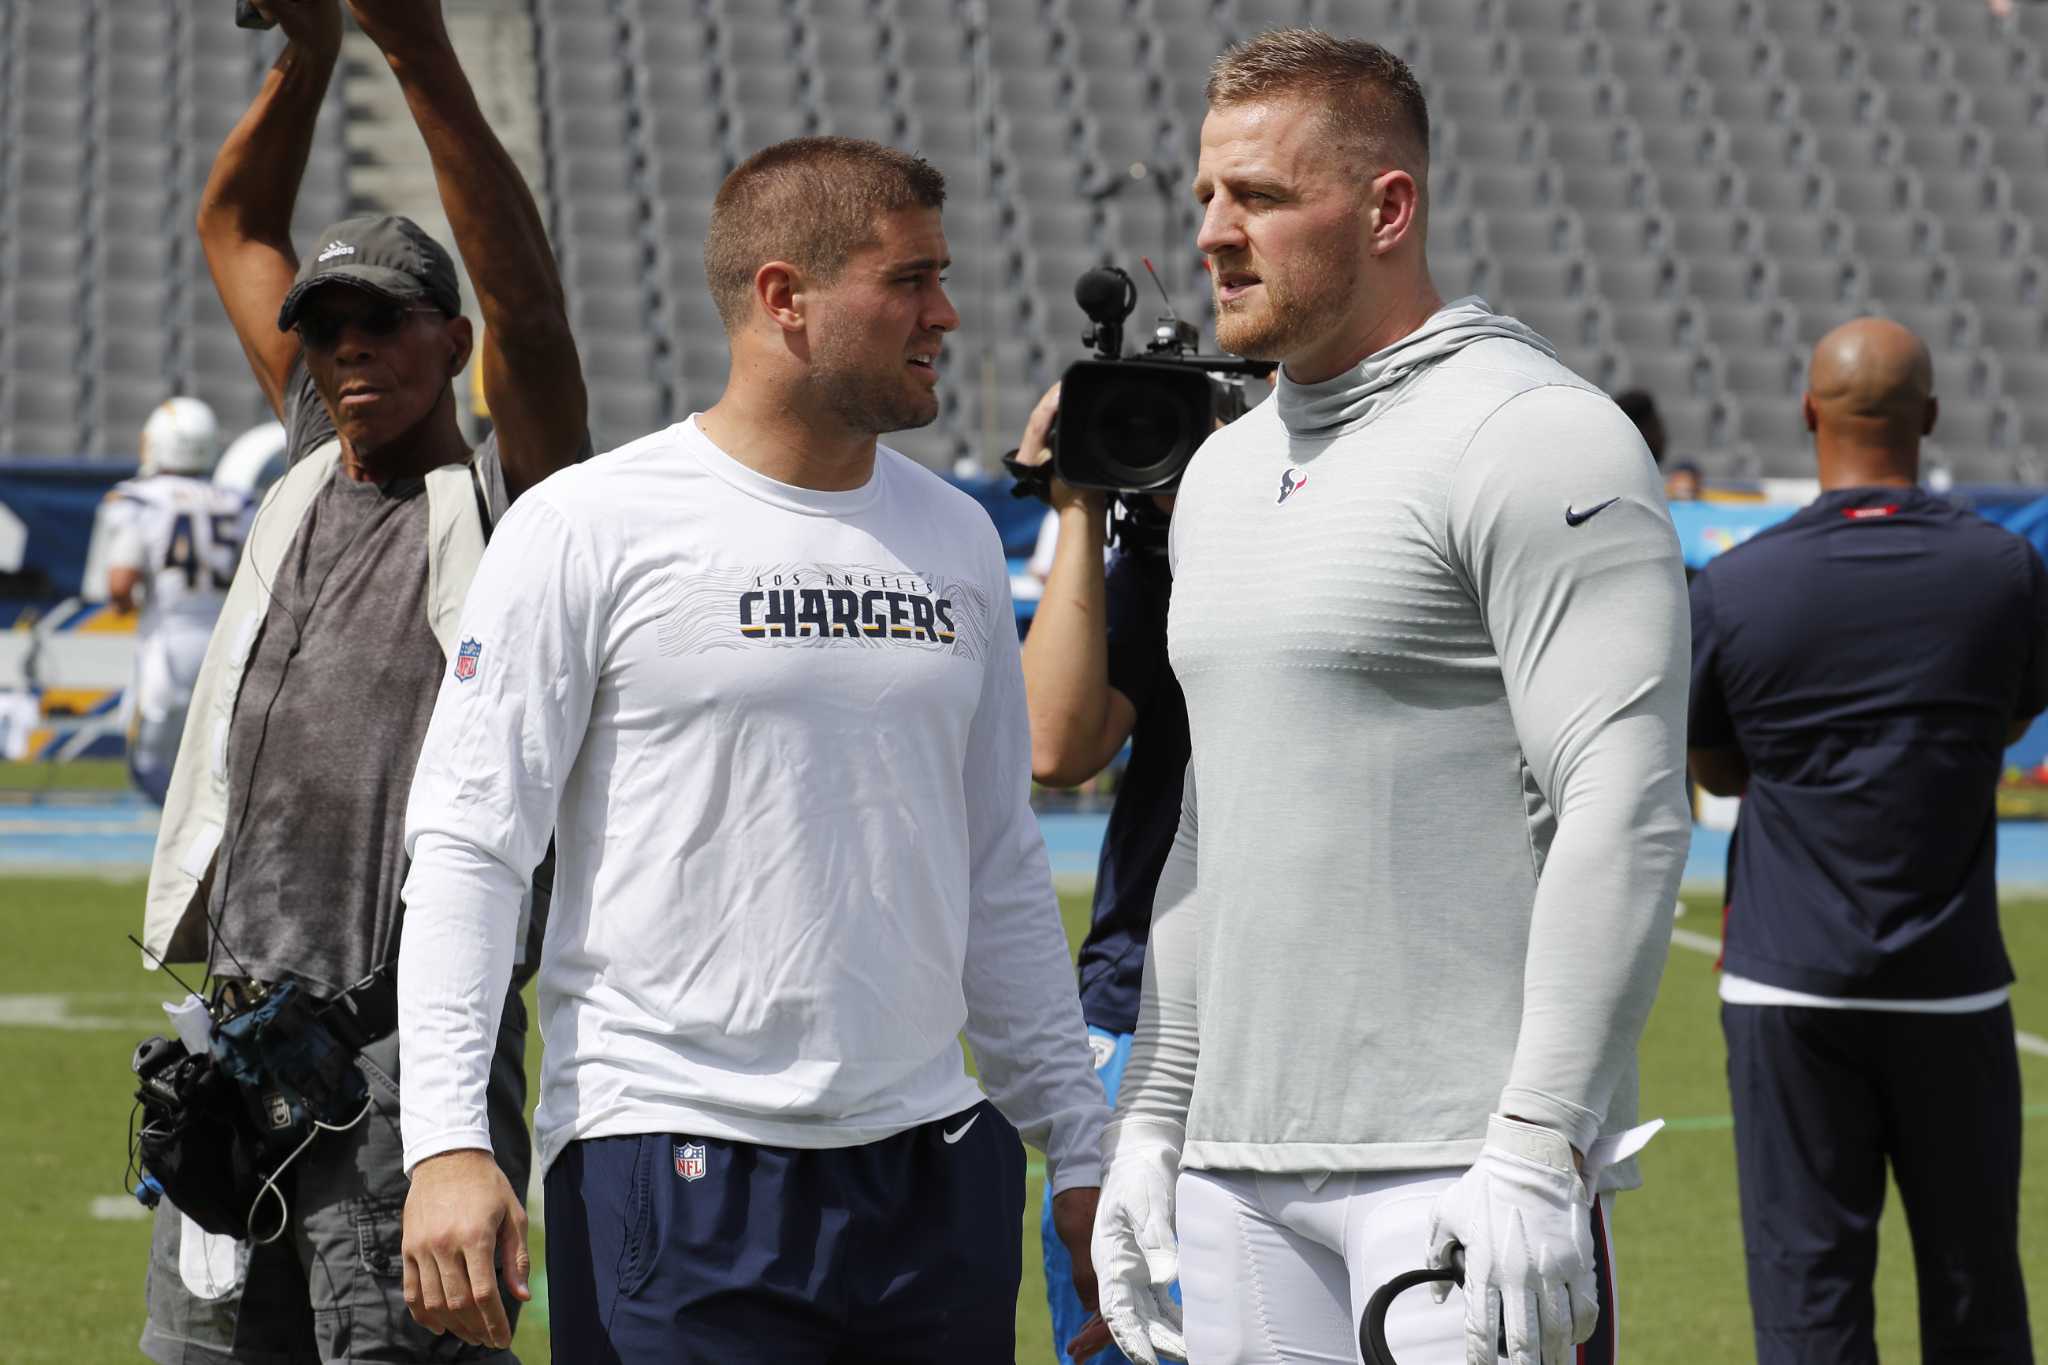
x: 1993, y: 282
x: 1649, y: 326
x: 131, y: 353
x: 2010, y: 106
x: 1898, y: 237
x: 1696, y: 427
x: 1821, y: 282
x: 1457, y: 19
x: 1629, y: 16
x: 1943, y: 326
x: 1908, y: 280
x: 1673, y: 146
x: 1692, y: 192
x: 1602, y: 189
x: 1730, y: 279
x: 1728, y: 57
x: 1764, y: 374
x: 1594, y: 144
x: 1648, y: 58
x: 1782, y: 235
x: 1736, y: 325
x: 1920, y: 108
x: 1858, y: 148
x: 1667, y: 101
x: 1784, y: 189
x: 2016, y: 333
x: 1673, y: 373
x: 1978, y: 426
x: 1839, y: 105
x: 1633, y: 279
x: 1607, y: 236
x: 1575, y: 323
x: 1581, y: 103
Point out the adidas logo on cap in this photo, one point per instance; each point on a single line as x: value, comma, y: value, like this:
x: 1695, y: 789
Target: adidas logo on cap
x: 333, y: 249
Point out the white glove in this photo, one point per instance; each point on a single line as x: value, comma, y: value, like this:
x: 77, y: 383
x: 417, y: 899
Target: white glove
x: 1523, y: 1215
x: 1136, y: 1256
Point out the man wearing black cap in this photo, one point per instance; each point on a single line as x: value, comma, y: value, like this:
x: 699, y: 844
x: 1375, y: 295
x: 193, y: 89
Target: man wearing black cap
x: 280, y: 852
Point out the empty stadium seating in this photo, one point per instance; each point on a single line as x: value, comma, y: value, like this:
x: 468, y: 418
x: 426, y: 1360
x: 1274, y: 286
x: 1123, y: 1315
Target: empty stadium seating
x: 109, y: 117
x: 1681, y: 193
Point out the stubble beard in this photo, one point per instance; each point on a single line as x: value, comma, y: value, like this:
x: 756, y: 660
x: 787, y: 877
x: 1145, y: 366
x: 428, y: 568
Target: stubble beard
x: 1284, y: 319
x: 872, y: 402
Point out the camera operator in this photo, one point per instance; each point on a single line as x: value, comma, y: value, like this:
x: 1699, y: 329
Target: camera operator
x: 1095, y: 675
x: 280, y: 858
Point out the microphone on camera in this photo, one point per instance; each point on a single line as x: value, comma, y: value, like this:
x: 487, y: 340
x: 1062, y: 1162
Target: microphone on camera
x: 1105, y: 292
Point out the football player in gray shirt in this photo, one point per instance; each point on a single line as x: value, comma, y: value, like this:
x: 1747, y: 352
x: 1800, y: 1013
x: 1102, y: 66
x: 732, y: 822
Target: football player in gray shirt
x: 1431, y: 623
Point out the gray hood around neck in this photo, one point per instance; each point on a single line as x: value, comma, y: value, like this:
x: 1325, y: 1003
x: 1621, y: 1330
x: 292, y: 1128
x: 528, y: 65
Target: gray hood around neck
x: 1355, y: 397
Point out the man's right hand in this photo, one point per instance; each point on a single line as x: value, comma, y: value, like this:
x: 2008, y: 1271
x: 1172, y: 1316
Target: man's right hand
x: 313, y: 26
x: 1034, y: 448
x: 462, y: 1224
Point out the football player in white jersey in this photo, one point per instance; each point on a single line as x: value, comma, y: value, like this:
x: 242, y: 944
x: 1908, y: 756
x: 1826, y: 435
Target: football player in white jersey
x: 175, y: 538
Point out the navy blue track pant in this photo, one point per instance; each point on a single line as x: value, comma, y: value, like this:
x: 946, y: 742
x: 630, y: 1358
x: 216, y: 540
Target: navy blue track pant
x: 1823, y: 1098
x: 674, y: 1248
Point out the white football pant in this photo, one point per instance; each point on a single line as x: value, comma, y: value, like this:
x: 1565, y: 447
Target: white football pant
x: 1278, y: 1268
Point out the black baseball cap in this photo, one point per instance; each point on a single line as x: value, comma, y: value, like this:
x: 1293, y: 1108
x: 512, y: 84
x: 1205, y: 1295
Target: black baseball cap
x: 382, y: 254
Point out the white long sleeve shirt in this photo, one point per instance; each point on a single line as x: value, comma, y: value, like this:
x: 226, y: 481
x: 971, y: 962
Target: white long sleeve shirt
x: 780, y: 738
x: 1431, y: 624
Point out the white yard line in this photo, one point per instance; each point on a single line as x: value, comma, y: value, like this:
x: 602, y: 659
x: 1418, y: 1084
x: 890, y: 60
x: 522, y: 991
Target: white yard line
x: 118, y: 1208
x: 1699, y: 943
x: 54, y: 1011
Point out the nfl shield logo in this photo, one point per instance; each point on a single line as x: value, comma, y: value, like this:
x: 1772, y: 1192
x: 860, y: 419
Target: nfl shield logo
x: 465, y: 659
x: 690, y: 1160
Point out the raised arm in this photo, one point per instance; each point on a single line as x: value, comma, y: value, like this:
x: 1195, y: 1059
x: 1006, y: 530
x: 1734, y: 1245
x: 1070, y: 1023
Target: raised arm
x: 533, y: 380
x: 245, y: 211
x: 1078, y: 720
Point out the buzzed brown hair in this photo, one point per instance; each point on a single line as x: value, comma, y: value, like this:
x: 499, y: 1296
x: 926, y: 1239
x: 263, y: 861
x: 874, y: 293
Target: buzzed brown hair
x: 810, y: 201
x: 1372, y: 100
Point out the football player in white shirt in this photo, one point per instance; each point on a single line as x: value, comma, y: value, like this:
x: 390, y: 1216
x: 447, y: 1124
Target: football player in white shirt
x: 760, y: 679
x: 174, y: 539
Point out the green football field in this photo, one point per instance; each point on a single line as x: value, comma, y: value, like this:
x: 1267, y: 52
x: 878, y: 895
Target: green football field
x: 73, y: 1004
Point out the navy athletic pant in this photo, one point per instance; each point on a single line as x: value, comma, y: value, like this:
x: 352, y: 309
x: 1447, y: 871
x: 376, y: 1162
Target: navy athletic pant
x: 1823, y: 1098
x: 674, y: 1248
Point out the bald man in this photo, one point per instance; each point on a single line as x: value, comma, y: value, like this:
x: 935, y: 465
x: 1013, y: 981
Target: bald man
x: 1857, y: 673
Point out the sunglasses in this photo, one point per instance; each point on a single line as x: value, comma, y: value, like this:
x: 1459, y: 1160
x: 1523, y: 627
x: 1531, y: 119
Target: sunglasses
x: 322, y: 331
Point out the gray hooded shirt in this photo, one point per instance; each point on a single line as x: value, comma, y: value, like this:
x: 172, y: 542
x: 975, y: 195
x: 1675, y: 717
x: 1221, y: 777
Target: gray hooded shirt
x: 1431, y: 622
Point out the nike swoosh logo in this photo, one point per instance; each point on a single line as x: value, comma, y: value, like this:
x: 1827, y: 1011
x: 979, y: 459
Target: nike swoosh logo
x: 959, y: 1132
x: 1572, y: 518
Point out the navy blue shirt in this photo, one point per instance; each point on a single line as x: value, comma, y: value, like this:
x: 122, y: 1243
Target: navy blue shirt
x: 1147, y: 810
x: 1867, y: 656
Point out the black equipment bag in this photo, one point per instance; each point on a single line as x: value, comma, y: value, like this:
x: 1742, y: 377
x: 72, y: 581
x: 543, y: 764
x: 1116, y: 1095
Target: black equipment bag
x: 196, y: 1141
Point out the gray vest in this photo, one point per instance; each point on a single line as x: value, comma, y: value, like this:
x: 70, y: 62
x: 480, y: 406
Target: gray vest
x: 195, y: 808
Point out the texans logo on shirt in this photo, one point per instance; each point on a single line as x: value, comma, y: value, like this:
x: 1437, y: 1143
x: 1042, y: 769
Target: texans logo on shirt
x: 1292, y: 481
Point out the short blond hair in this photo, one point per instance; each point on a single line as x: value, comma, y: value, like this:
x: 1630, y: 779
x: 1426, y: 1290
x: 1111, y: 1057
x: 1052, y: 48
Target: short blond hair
x: 810, y: 201
x: 1371, y: 99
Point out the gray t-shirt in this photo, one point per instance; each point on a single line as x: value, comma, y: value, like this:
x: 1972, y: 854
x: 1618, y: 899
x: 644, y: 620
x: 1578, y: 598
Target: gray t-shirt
x: 327, y: 727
